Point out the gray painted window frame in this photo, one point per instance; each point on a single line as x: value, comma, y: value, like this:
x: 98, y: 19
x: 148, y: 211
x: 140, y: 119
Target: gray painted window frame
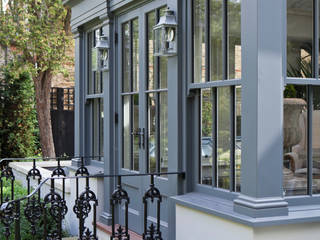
x: 196, y: 89
x: 89, y: 101
x: 309, y: 198
x: 188, y: 88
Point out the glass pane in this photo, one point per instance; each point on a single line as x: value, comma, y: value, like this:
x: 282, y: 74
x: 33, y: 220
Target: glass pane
x: 234, y: 38
x: 95, y: 128
x: 163, y: 131
x: 295, y: 140
x: 96, y: 36
x: 163, y: 72
x: 135, y: 54
x: 199, y: 26
x: 135, y: 123
x: 126, y: 58
x: 152, y: 131
x: 101, y: 129
x: 90, y: 74
x: 126, y: 132
x: 316, y: 140
x: 206, y: 171
x: 223, y: 151
x: 216, y: 61
x: 299, y: 35
x: 151, y: 59
x: 97, y: 82
x: 238, y: 139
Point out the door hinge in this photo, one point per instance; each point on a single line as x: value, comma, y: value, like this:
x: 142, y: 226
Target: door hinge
x: 116, y: 36
x: 116, y: 117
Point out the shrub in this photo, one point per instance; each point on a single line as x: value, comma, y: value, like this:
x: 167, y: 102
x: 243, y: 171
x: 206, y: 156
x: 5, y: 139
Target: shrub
x: 25, y: 227
x: 18, y: 131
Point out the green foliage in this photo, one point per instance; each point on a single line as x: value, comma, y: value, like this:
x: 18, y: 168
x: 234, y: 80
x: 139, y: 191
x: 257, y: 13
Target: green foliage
x: 34, y: 30
x: 18, y: 132
x: 19, y: 192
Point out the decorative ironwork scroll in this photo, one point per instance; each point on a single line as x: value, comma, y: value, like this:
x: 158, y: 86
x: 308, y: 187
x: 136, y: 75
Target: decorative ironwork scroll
x: 56, y: 206
x: 117, y: 198
x: 82, y: 209
x: 7, y: 215
x: 6, y: 173
x: 33, y: 213
x: 152, y: 232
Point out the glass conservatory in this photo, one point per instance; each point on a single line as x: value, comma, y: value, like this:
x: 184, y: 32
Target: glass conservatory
x: 224, y: 93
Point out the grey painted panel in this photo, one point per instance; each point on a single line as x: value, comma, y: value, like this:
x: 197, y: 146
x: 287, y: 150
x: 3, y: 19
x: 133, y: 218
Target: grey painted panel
x: 262, y: 97
x: 86, y: 11
x: 224, y: 208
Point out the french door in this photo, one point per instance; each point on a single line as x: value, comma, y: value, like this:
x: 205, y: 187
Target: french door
x: 142, y: 105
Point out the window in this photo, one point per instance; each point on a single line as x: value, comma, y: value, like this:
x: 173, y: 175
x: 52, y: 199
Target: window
x: 95, y: 98
x: 301, y: 141
x: 216, y: 78
x: 157, y: 95
x: 130, y: 94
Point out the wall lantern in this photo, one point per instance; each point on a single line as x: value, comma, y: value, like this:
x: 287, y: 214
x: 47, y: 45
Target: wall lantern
x: 165, y: 35
x: 102, y: 46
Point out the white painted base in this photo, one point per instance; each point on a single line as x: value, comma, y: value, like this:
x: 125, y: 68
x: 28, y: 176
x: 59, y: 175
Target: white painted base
x: 193, y: 224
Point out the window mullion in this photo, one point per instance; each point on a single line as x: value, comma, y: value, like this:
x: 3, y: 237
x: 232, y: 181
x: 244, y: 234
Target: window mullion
x: 232, y: 137
x: 158, y: 147
x: 309, y: 141
x: 315, y: 60
x: 215, y: 137
x: 131, y: 97
x: 207, y: 41
x: 225, y: 39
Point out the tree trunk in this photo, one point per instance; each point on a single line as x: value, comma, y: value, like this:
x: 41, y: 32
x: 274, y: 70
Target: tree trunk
x: 42, y: 84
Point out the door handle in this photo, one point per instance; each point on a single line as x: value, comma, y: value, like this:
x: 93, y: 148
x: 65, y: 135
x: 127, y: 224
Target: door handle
x: 140, y: 132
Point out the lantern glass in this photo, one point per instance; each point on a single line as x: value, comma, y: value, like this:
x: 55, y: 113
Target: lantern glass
x: 165, y: 39
x: 103, y: 53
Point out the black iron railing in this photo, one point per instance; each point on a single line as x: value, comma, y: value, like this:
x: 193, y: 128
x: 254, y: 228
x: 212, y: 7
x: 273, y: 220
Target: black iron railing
x: 37, y: 211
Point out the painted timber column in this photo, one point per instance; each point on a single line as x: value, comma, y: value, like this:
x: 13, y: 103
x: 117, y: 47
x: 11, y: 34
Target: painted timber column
x: 79, y: 96
x: 263, y: 43
x: 108, y: 108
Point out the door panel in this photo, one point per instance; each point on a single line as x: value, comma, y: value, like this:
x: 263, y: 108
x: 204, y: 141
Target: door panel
x: 143, y: 112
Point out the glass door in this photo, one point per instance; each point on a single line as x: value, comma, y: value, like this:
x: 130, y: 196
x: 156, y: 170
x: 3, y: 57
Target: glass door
x: 143, y: 112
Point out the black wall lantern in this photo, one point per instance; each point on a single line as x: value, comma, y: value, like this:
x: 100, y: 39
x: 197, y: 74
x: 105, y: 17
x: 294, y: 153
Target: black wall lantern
x: 165, y: 35
x: 102, y: 46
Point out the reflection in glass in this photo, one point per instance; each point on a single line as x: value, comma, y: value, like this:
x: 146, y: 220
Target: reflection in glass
x: 95, y: 127
x: 163, y: 72
x: 316, y: 140
x: 295, y: 140
x: 223, y: 148
x: 234, y: 39
x: 163, y: 131
x: 206, y: 137
x: 135, y: 123
x: 101, y: 116
x: 199, y: 40
x: 90, y: 72
x: 299, y: 38
x: 238, y: 139
x: 135, y: 54
x: 98, y: 82
x: 152, y: 130
x: 216, y: 40
x: 126, y: 58
x: 151, y: 59
x: 157, y: 104
x: 126, y: 132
